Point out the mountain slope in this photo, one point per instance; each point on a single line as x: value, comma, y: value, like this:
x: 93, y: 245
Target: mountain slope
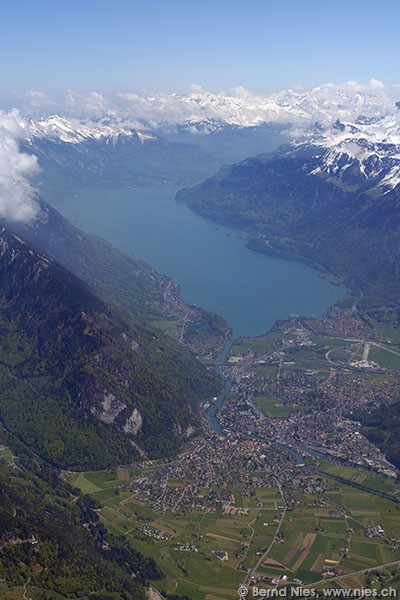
x: 52, y: 542
x: 332, y: 200
x: 127, y: 280
x: 81, y: 381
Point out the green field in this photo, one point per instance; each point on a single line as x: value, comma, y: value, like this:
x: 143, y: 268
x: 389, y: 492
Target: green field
x: 101, y: 484
x: 385, y: 358
x: 272, y: 407
x: 314, y: 539
x: 198, y: 573
x: 359, y: 476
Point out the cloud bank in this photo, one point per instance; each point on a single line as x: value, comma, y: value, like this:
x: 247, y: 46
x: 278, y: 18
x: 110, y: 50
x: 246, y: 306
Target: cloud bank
x: 17, y: 201
x: 238, y: 106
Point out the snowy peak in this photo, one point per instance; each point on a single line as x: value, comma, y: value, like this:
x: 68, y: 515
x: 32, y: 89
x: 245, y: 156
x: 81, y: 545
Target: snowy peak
x: 202, y: 127
x: 366, y: 151
x: 73, y: 131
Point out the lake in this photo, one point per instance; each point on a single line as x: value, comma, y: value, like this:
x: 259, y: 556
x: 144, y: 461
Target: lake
x: 214, y: 268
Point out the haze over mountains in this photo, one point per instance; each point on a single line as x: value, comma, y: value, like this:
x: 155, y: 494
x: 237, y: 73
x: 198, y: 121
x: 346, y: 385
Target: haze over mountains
x: 153, y: 110
x: 338, y: 144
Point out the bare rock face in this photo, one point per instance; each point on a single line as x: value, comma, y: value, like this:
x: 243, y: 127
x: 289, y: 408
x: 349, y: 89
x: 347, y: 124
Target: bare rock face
x: 133, y: 344
x: 183, y: 432
x: 109, y: 408
x: 133, y: 423
x: 190, y: 431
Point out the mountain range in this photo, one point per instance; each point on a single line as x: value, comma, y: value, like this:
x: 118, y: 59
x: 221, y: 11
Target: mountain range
x: 168, y: 111
x: 76, y: 158
x: 99, y: 142
x: 329, y: 197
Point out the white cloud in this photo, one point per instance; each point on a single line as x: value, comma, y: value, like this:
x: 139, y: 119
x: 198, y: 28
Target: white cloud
x: 92, y: 104
x: 375, y: 83
x: 17, y: 201
x: 195, y: 88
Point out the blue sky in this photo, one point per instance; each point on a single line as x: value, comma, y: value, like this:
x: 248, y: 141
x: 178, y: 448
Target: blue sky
x: 263, y: 45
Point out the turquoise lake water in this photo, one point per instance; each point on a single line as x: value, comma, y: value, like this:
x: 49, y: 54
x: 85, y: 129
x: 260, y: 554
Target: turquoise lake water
x: 214, y: 268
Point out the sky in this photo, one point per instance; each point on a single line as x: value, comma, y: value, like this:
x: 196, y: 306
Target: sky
x: 168, y: 45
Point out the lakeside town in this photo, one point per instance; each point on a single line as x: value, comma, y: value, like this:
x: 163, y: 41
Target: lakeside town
x: 302, y: 386
x: 317, y: 422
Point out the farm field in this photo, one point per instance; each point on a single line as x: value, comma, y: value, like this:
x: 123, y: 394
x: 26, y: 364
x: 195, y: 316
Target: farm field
x: 333, y: 538
x: 385, y: 358
x: 199, y: 571
x: 205, y: 555
x: 359, y: 476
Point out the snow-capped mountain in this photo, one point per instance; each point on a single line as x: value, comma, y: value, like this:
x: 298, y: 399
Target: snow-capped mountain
x: 73, y: 131
x: 77, y: 156
x: 363, y: 152
x: 331, y: 197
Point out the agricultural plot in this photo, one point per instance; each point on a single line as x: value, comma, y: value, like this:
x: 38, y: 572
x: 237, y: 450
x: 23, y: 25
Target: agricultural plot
x: 83, y: 484
x: 260, y: 344
x: 95, y: 481
x: 201, y: 553
x: 354, y: 535
x: 359, y: 476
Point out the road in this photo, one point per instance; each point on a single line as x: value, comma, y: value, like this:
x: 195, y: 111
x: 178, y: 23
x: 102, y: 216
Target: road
x: 268, y: 550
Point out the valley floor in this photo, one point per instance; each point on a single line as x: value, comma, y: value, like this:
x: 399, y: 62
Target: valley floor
x: 293, y: 493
